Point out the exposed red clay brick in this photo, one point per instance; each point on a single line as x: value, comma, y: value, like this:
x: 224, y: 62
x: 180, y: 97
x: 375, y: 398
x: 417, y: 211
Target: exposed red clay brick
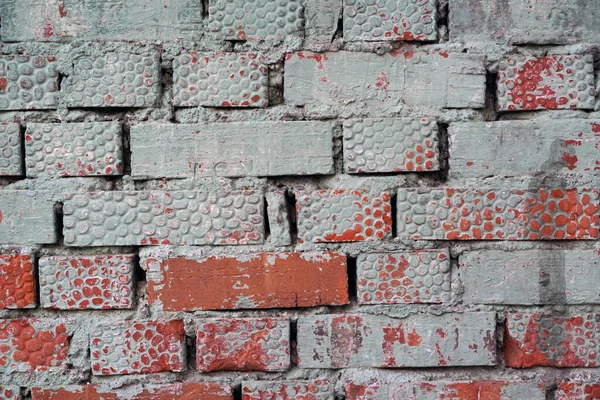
x: 578, y: 390
x: 17, y: 283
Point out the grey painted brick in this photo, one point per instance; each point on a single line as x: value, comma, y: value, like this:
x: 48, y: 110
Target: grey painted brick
x: 287, y: 390
x: 279, y: 222
x: 232, y: 149
x: 28, y: 82
x: 220, y: 80
x: 114, y: 80
x: 134, y: 20
x: 348, y: 341
x: 415, y: 79
x: 322, y: 18
x: 530, y: 277
x: 79, y: 149
x: 179, y: 217
x: 10, y: 150
x: 26, y: 217
x: 524, y: 21
x: 500, y: 148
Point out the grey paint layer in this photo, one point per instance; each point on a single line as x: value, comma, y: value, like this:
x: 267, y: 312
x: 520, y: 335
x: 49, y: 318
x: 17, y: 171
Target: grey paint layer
x: 26, y: 217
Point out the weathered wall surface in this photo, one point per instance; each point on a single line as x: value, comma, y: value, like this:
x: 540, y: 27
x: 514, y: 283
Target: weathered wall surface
x: 299, y: 199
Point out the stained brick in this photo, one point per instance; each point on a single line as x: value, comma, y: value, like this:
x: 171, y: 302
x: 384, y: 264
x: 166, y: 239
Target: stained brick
x: 390, y: 80
x: 232, y: 149
x: 26, y: 217
x: 28, y: 82
x: 577, y: 390
x: 74, y: 149
x: 551, y: 340
x: 114, y: 80
x: 348, y: 341
x: 469, y: 214
x: 390, y: 20
x: 390, y: 145
x: 151, y: 218
x: 9, y: 392
x: 568, y: 146
x: 86, y: 282
x: 17, y: 281
x: 10, y: 150
x: 321, y: 19
x: 243, y: 344
x: 133, y: 347
x: 546, y: 83
x: 32, y: 345
x: 287, y: 390
x: 407, y: 277
x: 343, y: 215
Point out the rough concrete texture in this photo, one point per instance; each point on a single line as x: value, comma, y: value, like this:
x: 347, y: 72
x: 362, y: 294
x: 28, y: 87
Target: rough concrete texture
x: 321, y: 20
x: 287, y: 390
x: 27, y: 217
x: 279, y: 218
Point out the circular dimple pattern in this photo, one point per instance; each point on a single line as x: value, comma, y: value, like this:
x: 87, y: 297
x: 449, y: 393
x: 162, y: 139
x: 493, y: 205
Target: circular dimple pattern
x: 220, y: 80
x: 28, y: 82
x: 17, y: 285
x: 284, y: 390
x: 10, y: 392
x: 390, y: 20
x: 412, y: 277
x: 390, y: 145
x: 115, y: 80
x: 10, y: 150
x: 556, y: 82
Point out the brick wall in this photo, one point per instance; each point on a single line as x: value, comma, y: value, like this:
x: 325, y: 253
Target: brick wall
x: 299, y: 199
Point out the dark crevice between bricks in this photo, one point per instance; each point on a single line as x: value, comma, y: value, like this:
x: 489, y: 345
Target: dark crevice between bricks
x: 139, y: 273
x: 190, y: 351
x: 126, y: 149
x: 59, y: 80
x: 491, y: 85
x: 293, y: 343
x: 58, y: 216
x: 444, y: 150
x: 394, y: 208
x: 22, y: 131
x: 36, y: 280
x: 551, y: 392
x: 290, y: 202
x: 237, y: 392
x: 352, y: 277
x: 339, y: 32
x: 443, y: 9
x: 205, y: 4
x: 266, y: 218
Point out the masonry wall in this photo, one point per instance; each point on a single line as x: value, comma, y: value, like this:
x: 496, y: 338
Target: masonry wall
x: 299, y: 199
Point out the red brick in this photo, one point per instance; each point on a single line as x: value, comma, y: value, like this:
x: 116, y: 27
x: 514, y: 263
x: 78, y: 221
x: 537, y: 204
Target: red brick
x: 287, y: 390
x: 578, y: 390
x: 17, y: 283
x: 263, y: 280
x: 243, y: 344
x: 10, y: 392
x: 32, y: 345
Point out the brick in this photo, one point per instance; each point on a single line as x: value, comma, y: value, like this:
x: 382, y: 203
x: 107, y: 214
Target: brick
x: 390, y: 145
x: 232, y: 149
x: 174, y: 391
x: 134, y: 347
x: 260, y: 20
x: 9, y: 392
x: 389, y: 80
x: 152, y: 218
x: 343, y: 216
x: 17, y: 281
x: 248, y: 281
x: 220, y: 80
x: 243, y: 344
x: 81, y: 149
x: 287, y: 390
x: 530, y: 277
x: 551, y: 340
x: 86, y: 282
x: 390, y: 20
x: 26, y: 217
x: 577, y: 390
x: 10, y: 150
x: 450, y: 390
x: 59, y: 20
x: 524, y: 21
x: 568, y: 146
x: 114, y: 80
x: 555, y: 82
x: 279, y: 218
x: 494, y: 214
x: 349, y: 341
x: 28, y: 82
x: 322, y: 18
x: 32, y: 345
x: 407, y: 277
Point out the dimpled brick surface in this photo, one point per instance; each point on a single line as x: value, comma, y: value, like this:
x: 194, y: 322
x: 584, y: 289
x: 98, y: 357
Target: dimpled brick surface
x: 149, y: 218
x: 10, y: 392
x: 10, y: 150
x: 343, y: 216
x: 32, y: 345
x: 410, y: 277
x: 114, y: 80
x: 132, y: 347
x: 92, y: 282
x: 73, y: 149
x: 17, y: 281
x: 28, y: 82
x: 578, y: 390
x: 243, y: 344
x: 546, y: 83
x: 552, y: 340
x: 257, y: 20
x: 467, y: 214
x: 287, y: 390
x: 390, y: 20
x: 390, y: 145
x: 220, y: 80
